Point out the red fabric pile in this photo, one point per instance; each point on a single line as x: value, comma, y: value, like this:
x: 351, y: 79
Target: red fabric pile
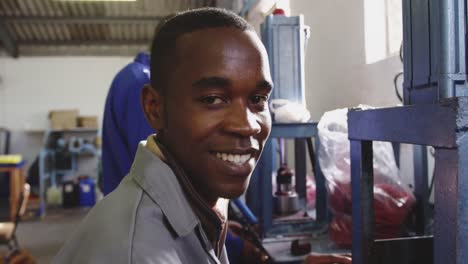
x: 392, y: 205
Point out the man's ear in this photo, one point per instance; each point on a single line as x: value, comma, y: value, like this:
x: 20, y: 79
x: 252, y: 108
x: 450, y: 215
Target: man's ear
x: 153, y: 107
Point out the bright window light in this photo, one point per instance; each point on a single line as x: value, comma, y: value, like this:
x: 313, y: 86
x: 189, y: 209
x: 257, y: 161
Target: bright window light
x: 383, y: 29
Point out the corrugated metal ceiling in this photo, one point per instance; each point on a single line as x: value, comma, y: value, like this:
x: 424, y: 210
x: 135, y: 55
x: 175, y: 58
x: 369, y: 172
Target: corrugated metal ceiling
x: 49, y: 27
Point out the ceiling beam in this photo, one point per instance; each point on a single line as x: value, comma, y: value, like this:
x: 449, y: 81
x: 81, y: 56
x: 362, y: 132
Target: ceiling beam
x: 81, y: 50
x: 85, y: 42
x: 82, y: 20
x: 8, y: 42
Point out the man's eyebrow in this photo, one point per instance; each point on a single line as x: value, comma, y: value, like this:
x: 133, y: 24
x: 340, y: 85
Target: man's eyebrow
x: 212, y: 82
x: 221, y: 82
x: 264, y: 84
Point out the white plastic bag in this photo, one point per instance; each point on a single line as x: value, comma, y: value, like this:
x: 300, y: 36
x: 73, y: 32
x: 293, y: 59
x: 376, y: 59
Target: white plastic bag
x: 393, y: 201
x: 285, y: 111
x: 334, y: 152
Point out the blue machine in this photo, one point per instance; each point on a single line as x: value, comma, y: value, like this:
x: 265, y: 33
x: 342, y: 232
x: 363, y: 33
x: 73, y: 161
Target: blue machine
x: 285, y: 40
x: 435, y: 114
x: 434, y: 48
x: 260, y: 193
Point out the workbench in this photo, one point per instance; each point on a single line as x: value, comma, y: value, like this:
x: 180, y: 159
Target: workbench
x: 16, y: 174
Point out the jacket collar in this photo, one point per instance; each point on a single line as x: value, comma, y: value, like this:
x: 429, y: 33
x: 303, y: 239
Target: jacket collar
x: 164, y: 189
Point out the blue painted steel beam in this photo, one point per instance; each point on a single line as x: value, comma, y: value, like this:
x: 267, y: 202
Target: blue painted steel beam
x: 421, y: 187
x: 451, y: 198
x: 451, y: 188
x: 294, y: 130
x: 445, y: 218
x: 362, y: 184
x: 321, y: 190
x: 418, y: 124
x: 301, y: 171
x: 462, y: 198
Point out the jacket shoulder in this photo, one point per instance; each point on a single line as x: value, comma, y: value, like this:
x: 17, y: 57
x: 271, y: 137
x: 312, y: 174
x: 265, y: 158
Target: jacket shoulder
x: 106, y: 233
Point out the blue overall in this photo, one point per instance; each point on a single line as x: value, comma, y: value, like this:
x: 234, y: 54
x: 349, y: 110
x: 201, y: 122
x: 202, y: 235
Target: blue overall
x: 124, y: 123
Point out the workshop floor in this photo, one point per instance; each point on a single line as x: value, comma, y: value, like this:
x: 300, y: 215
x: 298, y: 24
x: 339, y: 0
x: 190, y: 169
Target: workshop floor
x: 43, y: 238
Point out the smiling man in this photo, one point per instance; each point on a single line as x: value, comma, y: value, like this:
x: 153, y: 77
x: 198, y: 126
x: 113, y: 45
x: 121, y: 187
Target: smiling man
x: 208, y: 101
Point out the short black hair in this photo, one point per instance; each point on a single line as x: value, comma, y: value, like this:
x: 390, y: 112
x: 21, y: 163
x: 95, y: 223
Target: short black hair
x: 168, y: 31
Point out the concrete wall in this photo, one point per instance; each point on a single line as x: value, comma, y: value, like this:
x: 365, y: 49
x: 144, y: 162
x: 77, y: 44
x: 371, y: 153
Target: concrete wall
x: 351, y: 56
x: 31, y: 86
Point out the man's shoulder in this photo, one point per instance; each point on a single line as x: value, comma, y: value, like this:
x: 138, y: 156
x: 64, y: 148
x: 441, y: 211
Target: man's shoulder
x: 156, y: 241
x: 106, y: 233
x: 153, y: 236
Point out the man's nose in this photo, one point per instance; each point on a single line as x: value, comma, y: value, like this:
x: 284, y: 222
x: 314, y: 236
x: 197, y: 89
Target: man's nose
x: 242, y: 121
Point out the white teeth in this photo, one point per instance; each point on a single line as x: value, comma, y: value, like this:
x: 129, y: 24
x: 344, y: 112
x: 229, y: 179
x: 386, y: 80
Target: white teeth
x: 234, y: 158
x: 241, y: 159
x: 245, y: 158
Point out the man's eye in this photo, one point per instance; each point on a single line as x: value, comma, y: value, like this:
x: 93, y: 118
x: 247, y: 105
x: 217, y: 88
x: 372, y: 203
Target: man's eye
x: 212, y: 100
x: 259, y: 99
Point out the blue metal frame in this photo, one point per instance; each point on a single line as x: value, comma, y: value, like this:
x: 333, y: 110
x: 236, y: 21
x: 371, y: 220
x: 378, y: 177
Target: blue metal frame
x: 362, y: 193
x: 259, y: 195
x: 421, y: 188
x: 434, y: 45
x: 443, y: 126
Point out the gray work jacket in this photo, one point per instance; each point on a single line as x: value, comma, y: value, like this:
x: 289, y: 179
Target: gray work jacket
x: 147, y: 219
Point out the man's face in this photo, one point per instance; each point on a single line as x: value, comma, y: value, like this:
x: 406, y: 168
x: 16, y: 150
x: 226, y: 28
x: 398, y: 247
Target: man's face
x: 215, y: 110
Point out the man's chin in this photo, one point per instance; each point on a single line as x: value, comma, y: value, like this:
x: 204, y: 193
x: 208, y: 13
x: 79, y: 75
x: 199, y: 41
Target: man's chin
x: 233, y: 193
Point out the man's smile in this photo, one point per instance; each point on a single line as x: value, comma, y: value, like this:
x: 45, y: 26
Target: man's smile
x: 238, y: 159
x: 237, y: 156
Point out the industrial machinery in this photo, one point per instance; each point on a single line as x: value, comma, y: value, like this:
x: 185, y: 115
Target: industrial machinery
x: 285, y: 39
x: 282, y: 210
x: 59, y: 158
x: 435, y: 114
x: 285, y: 197
x: 280, y: 231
